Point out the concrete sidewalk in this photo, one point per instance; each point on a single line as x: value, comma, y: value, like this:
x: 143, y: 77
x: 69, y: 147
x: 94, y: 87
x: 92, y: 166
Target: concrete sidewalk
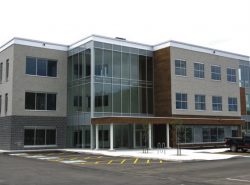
x: 167, y: 154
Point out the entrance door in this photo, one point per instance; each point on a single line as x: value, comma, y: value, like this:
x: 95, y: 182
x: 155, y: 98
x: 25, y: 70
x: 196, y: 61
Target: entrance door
x: 140, y: 139
x: 77, y: 143
x: 159, y: 134
x: 103, y: 138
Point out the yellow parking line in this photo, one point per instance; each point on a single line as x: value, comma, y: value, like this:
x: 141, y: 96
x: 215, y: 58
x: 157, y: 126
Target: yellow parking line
x: 123, y: 161
x: 99, y: 157
x: 72, y: 159
x: 110, y: 162
x: 97, y: 162
x: 161, y: 161
x: 148, y: 161
x: 87, y: 158
x: 136, y: 160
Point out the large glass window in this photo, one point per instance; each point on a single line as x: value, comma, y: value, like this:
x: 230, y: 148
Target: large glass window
x: 231, y: 75
x: 180, y: 67
x: 126, y: 65
x: 39, y: 136
x: 181, y: 101
x: 41, y: 67
x: 216, y: 72
x: 6, y: 103
x: 116, y: 64
x: 40, y: 101
x: 7, y: 70
x: 213, y: 134
x: 232, y: 104
x: 1, y: 72
x: 217, y: 103
x: 199, y: 70
x: 200, y: 102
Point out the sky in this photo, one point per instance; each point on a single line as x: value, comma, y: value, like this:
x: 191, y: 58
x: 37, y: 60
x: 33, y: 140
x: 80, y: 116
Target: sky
x: 219, y: 24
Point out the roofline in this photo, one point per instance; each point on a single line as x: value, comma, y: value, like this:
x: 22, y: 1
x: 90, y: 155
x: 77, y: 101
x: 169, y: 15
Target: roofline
x: 193, y: 47
x: 94, y: 37
x: 34, y: 43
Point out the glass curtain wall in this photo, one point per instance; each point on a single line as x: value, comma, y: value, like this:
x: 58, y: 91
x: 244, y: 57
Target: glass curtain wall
x: 123, y: 81
x: 79, y: 70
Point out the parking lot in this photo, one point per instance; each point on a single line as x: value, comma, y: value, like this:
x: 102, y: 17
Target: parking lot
x: 82, y: 159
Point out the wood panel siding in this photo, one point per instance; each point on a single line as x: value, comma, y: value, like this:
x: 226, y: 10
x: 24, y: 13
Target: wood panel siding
x: 162, y: 82
x: 243, y: 101
x: 165, y: 120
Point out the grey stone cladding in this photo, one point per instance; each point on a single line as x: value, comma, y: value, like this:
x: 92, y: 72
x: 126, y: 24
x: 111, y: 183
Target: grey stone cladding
x: 12, y: 128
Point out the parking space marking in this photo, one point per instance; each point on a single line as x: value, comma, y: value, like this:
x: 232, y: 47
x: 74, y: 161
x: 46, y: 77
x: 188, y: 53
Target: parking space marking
x: 136, y: 160
x: 148, y: 161
x: 160, y: 161
x: 110, y: 162
x: 239, y: 180
x: 100, y: 157
x: 75, y: 158
x: 123, y: 161
x: 70, y: 162
x: 97, y: 162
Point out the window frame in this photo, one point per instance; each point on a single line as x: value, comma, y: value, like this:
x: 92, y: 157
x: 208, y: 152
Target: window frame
x: 217, y: 104
x: 215, y: 72
x: 200, y: 103
x: 180, y: 68
x: 182, y: 102
x: 231, y: 77
x: 230, y: 105
x: 46, y: 99
x: 199, y: 71
x: 46, y: 64
x: 45, y: 128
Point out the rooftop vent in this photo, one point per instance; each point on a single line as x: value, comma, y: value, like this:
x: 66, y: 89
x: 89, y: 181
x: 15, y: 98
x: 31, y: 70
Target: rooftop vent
x: 120, y: 38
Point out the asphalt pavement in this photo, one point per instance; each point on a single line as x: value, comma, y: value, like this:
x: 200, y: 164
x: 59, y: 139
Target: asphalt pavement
x: 20, y: 170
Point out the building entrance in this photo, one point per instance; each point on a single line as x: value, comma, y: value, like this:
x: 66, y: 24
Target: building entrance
x: 159, y: 134
x: 77, y: 142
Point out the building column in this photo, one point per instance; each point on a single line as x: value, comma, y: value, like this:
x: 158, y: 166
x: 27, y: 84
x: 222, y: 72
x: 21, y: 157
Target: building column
x: 134, y: 136
x: 91, y: 136
x: 96, y: 136
x: 111, y: 137
x: 167, y: 132
x: 150, y: 136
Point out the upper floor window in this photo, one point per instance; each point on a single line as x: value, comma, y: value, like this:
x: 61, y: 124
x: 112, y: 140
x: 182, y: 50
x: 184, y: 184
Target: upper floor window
x: 1, y: 72
x: 41, y: 67
x: 6, y: 103
x: 0, y: 105
x: 40, y: 101
x: 199, y: 70
x: 7, y: 70
x: 217, y: 103
x: 231, y: 75
x: 181, y: 101
x: 200, y: 102
x: 232, y: 104
x: 180, y: 67
x: 216, y: 72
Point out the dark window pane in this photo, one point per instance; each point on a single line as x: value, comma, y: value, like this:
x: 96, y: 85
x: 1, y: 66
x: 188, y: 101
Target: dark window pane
x: 51, y: 137
x: 41, y: 67
x: 40, y: 101
x: 31, y: 66
x: 52, y: 68
x: 30, y: 100
x: 40, y: 137
x: 51, y: 101
x: 29, y: 135
x: 87, y: 60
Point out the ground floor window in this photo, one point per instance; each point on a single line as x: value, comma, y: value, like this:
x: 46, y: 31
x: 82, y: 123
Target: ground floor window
x: 39, y: 136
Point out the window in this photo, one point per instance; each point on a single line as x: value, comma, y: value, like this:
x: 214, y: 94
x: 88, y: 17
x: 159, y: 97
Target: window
x: 217, y: 103
x: 40, y: 101
x: 215, y: 72
x: 41, y: 67
x: 200, y: 102
x: 6, y: 103
x: 0, y: 105
x: 213, y: 134
x: 232, y: 104
x: 180, y: 67
x: 231, y: 75
x: 199, y: 70
x: 181, y: 101
x: 39, y: 136
x: 1, y: 72
x: 7, y: 69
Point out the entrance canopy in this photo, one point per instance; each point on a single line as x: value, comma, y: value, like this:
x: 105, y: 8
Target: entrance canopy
x: 169, y: 120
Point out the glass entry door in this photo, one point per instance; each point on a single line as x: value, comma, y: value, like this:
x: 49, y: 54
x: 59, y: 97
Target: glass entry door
x: 139, y: 138
x: 77, y: 143
x: 103, y: 136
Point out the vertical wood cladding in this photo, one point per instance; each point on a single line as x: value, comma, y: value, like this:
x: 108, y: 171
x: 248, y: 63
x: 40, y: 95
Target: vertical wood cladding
x: 162, y: 82
x: 243, y: 101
